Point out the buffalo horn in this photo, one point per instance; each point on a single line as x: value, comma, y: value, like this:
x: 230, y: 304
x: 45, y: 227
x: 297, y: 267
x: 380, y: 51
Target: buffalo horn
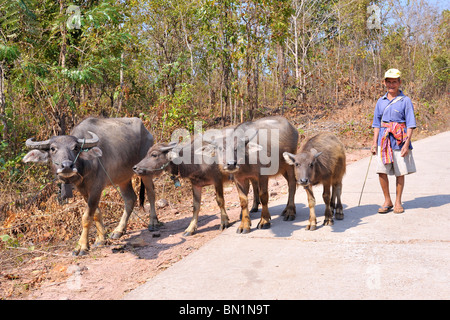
x: 248, y: 139
x: 89, y: 143
x: 41, y: 145
x: 170, y: 146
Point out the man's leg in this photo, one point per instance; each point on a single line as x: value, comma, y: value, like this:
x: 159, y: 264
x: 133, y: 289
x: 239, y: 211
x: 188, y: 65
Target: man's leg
x: 384, y: 183
x: 400, y: 184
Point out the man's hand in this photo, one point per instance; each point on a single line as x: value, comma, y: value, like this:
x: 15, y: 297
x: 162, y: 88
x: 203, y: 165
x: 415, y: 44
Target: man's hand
x: 405, y: 150
x: 373, y: 149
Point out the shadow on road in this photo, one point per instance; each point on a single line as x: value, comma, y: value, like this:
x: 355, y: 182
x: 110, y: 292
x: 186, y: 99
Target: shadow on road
x: 352, y: 218
x: 149, y: 245
x: 428, y: 201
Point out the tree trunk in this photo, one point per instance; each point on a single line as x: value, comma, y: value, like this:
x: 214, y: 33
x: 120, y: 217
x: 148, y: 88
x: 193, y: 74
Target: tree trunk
x: 283, y: 75
x: 63, y: 50
x: 226, y: 64
x: 60, y: 108
x: 3, y: 121
x: 119, y: 103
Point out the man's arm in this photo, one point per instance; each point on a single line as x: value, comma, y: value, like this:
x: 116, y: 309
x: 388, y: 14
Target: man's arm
x: 376, y: 132
x: 405, y: 148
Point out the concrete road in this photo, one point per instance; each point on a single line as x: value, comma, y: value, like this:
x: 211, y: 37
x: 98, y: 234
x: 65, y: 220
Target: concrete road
x: 365, y: 256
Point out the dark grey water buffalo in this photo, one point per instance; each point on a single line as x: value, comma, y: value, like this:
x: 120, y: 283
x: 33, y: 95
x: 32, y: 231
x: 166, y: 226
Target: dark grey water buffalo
x: 321, y: 160
x: 254, y: 150
x: 186, y: 161
x: 96, y: 153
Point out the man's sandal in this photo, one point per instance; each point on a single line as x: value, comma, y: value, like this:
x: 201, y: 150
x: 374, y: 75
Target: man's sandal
x: 385, y: 209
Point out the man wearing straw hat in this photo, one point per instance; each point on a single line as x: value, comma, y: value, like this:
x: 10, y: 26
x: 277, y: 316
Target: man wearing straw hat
x: 393, y: 124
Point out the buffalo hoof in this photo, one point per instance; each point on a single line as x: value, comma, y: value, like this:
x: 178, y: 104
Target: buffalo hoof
x: 339, y: 216
x: 188, y: 233
x: 311, y: 227
x: 288, y: 213
x: 223, y: 226
x: 263, y: 225
x: 99, y: 243
x: 79, y: 253
x: 242, y: 230
x: 328, y: 222
x: 116, y: 235
x: 289, y: 217
x: 83, y: 253
x: 153, y: 228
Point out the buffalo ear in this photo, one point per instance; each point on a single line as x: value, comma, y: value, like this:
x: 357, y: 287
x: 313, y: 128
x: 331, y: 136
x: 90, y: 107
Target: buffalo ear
x: 91, y: 154
x: 254, y: 147
x: 36, y: 156
x: 289, y: 157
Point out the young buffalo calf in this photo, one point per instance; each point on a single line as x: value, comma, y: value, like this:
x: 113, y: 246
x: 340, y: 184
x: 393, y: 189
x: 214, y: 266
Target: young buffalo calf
x: 321, y: 160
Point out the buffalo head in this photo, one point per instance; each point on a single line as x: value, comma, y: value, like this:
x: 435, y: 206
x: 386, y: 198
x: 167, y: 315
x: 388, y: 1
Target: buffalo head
x: 305, y: 165
x: 64, y: 153
x: 232, y: 150
x: 157, y: 159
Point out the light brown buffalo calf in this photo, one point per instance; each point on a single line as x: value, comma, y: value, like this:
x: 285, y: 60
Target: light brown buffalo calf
x: 321, y: 160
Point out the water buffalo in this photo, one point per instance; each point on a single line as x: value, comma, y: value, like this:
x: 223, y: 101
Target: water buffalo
x: 321, y: 160
x: 97, y: 153
x: 184, y: 161
x: 254, y: 150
